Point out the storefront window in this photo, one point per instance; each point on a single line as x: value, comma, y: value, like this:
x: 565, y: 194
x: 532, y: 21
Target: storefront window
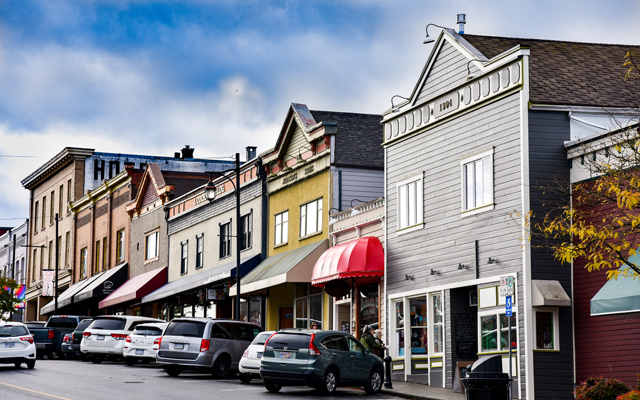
x: 211, y: 310
x: 308, y: 305
x: 544, y: 330
x: 316, y: 310
x: 504, y: 332
x: 199, y: 311
x: 438, y: 341
x: 251, y: 309
x: 489, y: 333
x: 399, y: 328
x: 419, y: 332
x: 369, y: 306
x: 188, y: 311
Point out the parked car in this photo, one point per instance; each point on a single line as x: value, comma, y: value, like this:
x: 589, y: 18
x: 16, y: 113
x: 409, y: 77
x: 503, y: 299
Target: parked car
x: 105, y: 336
x: 249, y: 366
x: 34, y: 324
x: 208, y: 345
x: 324, y: 360
x: 16, y: 345
x: 49, y: 338
x: 65, y: 347
x: 72, y: 348
x: 139, y: 344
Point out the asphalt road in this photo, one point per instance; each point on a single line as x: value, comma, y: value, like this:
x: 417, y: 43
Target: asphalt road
x: 76, y: 380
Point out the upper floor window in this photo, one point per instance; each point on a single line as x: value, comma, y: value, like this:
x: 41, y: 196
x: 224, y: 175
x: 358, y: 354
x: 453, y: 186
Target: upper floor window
x: 311, y: 218
x: 83, y: 263
x: 225, y: 240
x: 151, y: 245
x: 246, y: 224
x: 69, y: 192
x: 477, y: 182
x: 52, y: 208
x: 410, y: 200
x: 184, y: 253
x: 120, y: 245
x: 44, y: 211
x: 97, y: 256
x: 60, y: 201
x: 35, y: 217
x: 199, y: 251
x: 281, y: 233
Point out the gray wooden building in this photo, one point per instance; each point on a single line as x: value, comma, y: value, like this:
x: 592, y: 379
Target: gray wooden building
x: 467, y: 155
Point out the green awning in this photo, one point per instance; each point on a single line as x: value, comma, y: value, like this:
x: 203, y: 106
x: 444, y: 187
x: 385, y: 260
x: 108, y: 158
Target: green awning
x: 618, y: 296
x: 291, y: 266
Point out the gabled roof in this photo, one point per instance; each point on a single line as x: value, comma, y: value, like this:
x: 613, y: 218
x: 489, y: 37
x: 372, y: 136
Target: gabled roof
x: 569, y: 73
x: 358, y: 138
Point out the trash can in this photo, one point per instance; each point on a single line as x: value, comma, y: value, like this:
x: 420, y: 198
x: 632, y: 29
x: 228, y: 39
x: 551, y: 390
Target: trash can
x: 486, y: 381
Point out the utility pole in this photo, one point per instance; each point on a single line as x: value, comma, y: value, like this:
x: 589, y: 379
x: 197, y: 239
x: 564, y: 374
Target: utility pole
x: 238, y: 236
x: 13, y: 269
x: 55, y: 312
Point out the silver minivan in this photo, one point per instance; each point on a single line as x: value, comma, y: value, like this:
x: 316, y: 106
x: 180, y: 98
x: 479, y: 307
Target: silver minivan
x: 209, y: 345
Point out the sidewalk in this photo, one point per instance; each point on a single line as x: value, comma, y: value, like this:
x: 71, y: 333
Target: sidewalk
x: 410, y: 390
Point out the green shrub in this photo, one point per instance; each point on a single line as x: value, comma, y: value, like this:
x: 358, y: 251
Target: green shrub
x: 601, y: 389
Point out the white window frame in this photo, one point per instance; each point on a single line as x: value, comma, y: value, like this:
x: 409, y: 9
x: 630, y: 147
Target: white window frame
x: 395, y: 328
x: 465, y: 212
x: 419, y: 224
x: 184, y: 257
x: 432, y: 324
x: 304, y: 213
x: 83, y: 262
x: 147, y: 239
x: 200, y: 251
x: 497, y: 311
x: 556, y: 326
x: 284, y: 233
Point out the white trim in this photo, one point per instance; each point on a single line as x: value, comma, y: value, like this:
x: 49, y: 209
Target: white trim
x: 526, y: 254
x: 614, y: 313
x: 384, y: 229
x: 556, y: 325
x: 463, y: 187
x: 419, y: 179
x: 498, y: 312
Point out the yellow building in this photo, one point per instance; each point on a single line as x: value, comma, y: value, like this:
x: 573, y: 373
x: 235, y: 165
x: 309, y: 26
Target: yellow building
x: 321, y: 161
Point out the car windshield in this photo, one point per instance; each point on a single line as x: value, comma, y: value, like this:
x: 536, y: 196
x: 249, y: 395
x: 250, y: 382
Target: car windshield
x: 290, y: 341
x: 147, y: 331
x: 110, y: 324
x: 186, y: 328
x: 62, y: 322
x: 11, y: 330
x: 261, y: 338
x: 83, y: 324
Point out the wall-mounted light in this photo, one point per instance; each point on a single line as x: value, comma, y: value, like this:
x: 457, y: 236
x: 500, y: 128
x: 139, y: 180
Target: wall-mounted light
x: 332, y: 220
x: 461, y: 266
x: 408, y: 277
x: 395, y: 108
x: 355, y: 212
x: 433, y: 272
x: 491, y: 260
x: 429, y: 39
x: 470, y: 75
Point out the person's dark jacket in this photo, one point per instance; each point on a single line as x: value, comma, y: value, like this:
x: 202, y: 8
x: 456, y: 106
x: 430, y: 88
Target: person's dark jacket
x: 368, y: 341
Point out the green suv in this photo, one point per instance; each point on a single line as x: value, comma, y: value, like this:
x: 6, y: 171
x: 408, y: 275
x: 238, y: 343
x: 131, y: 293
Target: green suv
x: 320, y: 359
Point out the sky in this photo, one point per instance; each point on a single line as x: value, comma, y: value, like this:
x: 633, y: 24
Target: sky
x: 148, y: 77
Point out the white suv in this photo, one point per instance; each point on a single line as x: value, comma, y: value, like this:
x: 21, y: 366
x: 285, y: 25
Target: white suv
x: 16, y: 345
x: 139, y: 345
x: 106, y: 335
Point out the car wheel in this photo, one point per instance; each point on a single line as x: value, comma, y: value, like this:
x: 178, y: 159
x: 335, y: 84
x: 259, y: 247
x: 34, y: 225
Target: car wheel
x: 221, y: 367
x: 273, y: 387
x: 129, y: 361
x: 84, y: 357
x: 245, y: 378
x: 31, y: 364
x: 329, y: 383
x: 54, y: 355
x: 17, y: 364
x: 96, y: 359
x: 374, y: 385
x: 173, y: 370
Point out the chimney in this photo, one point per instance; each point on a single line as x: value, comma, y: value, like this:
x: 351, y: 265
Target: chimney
x: 461, y: 21
x: 251, y: 152
x: 176, y: 155
x: 187, y: 152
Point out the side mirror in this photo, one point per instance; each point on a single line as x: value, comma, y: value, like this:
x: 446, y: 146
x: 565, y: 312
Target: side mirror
x: 367, y: 351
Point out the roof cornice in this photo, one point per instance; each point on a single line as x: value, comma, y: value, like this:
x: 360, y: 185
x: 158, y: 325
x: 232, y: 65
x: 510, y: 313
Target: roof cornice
x: 59, y: 161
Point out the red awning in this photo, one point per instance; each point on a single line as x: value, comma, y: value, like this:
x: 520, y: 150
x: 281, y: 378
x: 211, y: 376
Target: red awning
x: 137, y: 287
x: 357, y: 258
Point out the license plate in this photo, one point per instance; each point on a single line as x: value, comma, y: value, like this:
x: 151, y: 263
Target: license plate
x: 259, y: 354
x: 139, y: 352
x: 178, y: 346
x: 9, y: 345
x: 285, y: 354
x: 100, y: 338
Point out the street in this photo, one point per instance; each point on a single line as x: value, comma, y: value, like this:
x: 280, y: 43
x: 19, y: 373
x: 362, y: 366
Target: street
x: 75, y: 380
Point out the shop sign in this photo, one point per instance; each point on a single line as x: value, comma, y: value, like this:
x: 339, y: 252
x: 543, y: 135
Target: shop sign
x: 107, y: 287
x: 200, y: 199
x: 215, y: 294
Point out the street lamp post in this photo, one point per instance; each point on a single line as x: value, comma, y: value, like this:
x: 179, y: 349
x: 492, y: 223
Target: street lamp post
x: 210, y: 191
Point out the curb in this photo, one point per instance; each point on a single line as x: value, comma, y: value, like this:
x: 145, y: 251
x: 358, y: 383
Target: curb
x: 408, y: 395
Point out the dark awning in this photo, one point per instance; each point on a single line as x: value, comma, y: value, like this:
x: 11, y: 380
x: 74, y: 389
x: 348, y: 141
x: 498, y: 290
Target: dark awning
x: 203, y: 278
x: 66, y: 297
x: 137, y: 287
x: 617, y: 296
x: 104, y: 284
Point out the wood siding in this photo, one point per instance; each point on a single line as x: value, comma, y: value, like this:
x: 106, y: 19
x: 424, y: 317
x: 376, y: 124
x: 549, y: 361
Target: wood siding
x: 448, y: 71
x: 361, y: 184
x: 547, y: 133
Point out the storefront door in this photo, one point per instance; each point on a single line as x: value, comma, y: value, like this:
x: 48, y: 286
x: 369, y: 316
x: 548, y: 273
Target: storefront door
x: 285, y: 319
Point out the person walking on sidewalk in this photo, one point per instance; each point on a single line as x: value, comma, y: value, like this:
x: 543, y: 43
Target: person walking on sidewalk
x: 369, y: 342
